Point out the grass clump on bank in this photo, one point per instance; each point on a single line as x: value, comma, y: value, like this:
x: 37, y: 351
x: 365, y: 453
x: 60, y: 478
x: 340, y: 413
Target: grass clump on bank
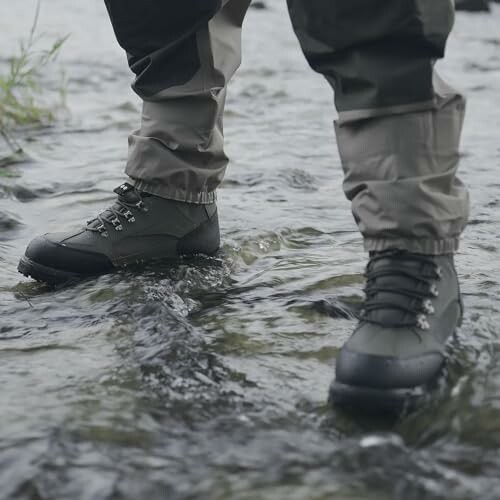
x: 21, y: 88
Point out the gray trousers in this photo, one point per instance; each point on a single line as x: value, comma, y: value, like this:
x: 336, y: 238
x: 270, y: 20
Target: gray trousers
x: 399, y: 124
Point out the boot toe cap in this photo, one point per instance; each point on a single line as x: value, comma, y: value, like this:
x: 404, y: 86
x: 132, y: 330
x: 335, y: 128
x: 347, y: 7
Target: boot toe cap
x: 47, y: 251
x: 386, y: 372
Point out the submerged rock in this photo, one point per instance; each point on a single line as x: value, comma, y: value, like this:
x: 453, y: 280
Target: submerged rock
x: 8, y: 222
x: 258, y: 5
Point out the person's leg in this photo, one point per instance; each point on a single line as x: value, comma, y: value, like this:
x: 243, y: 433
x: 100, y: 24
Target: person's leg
x: 398, y: 136
x: 183, y: 54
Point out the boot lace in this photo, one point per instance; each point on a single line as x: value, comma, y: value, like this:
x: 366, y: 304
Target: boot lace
x: 121, y: 209
x: 414, y: 285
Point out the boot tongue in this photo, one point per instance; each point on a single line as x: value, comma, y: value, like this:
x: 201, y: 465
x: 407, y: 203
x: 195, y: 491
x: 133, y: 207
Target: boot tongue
x: 395, y: 276
x: 393, y: 297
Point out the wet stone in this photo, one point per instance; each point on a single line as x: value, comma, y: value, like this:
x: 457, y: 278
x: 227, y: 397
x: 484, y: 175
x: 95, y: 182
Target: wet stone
x: 336, y: 308
x: 22, y: 193
x: 258, y: 5
x: 8, y: 222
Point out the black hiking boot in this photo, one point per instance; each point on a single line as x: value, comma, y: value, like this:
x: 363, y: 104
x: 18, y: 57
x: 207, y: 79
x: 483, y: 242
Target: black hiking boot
x: 412, y: 307
x: 138, y: 227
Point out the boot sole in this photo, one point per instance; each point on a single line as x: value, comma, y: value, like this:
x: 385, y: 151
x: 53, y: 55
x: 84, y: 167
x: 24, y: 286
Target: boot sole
x: 52, y: 276
x: 45, y: 274
x: 372, y: 401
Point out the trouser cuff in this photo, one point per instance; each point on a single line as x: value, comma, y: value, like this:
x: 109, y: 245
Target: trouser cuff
x: 174, y: 193
x: 422, y: 246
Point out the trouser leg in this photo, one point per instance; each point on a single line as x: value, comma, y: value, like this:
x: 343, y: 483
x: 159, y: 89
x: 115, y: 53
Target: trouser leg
x: 183, y: 55
x: 399, y: 124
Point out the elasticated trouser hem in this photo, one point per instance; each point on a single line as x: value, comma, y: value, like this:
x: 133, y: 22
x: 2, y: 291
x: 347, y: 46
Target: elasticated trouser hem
x: 173, y: 193
x: 427, y: 247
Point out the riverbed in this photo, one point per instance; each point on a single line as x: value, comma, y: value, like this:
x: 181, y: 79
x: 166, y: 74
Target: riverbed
x: 209, y: 379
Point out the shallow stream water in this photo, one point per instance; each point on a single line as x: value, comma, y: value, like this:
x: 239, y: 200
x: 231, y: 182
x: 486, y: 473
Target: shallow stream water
x: 208, y: 380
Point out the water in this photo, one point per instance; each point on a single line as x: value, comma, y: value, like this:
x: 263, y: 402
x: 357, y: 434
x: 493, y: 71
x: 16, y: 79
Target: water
x: 208, y: 380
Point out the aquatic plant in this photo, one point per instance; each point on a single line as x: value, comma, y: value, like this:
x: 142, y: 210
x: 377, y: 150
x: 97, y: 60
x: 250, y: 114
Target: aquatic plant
x: 20, y: 85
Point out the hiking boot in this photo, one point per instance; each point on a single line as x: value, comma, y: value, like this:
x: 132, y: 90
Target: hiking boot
x: 138, y: 227
x: 412, y: 307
